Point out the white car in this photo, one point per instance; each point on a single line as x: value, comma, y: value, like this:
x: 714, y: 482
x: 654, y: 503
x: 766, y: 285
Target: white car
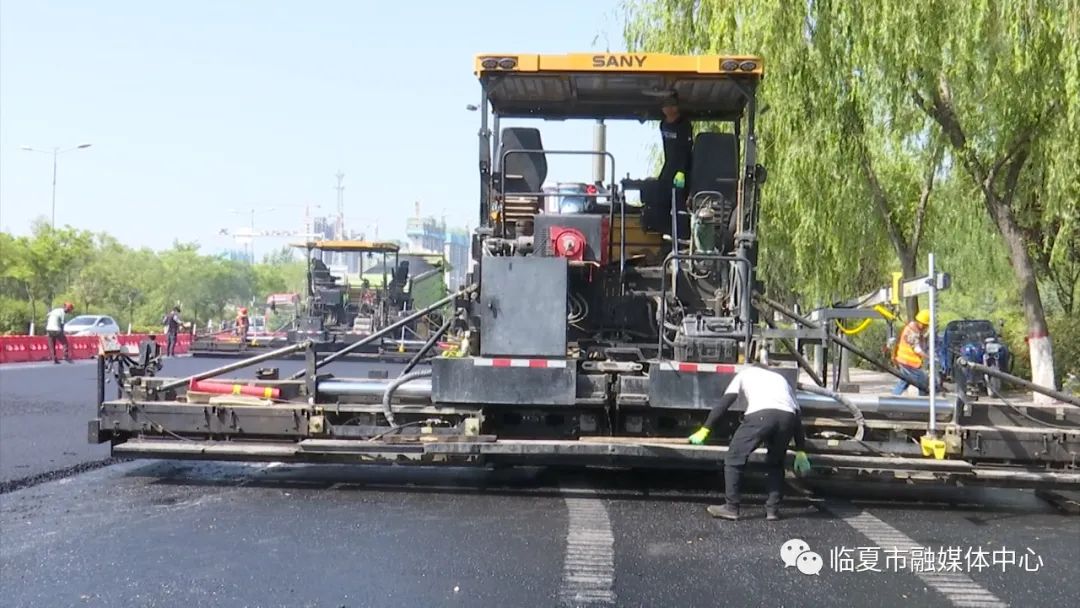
x: 91, y: 325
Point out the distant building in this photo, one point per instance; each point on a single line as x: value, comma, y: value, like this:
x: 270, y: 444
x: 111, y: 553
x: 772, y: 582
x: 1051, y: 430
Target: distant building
x: 457, y: 252
x: 235, y: 255
x: 431, y: 235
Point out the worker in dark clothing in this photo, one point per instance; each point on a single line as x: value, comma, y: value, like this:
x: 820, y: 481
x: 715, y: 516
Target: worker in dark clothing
x: 172, y: 324
x: 772, y: 417
x: 677, y: 133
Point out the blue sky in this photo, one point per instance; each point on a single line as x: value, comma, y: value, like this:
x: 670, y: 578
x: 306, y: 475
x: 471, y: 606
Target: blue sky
x: 197, y: 108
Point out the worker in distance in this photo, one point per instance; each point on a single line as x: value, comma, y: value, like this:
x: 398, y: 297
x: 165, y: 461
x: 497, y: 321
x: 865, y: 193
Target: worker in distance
x: 773, y: 418
x: 911, y: 352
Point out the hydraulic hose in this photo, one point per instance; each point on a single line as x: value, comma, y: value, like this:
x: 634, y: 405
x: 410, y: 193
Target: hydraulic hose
x: 426, y: 348
x: 989, y: 371
x: 857, y: 329
x: 389, y: 393
x: 856, y: 413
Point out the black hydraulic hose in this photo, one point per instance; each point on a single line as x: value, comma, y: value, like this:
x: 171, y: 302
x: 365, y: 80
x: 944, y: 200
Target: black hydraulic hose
x: 428, y: 345
x: 843, y: 342
x: 989, y: 371
x: 856, y: 413
x: 388, y: 394
x: 799, y: 358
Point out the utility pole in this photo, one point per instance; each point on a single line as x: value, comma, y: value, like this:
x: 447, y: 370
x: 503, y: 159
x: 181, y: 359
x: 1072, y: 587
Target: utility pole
x: 339, y: 229
x: 339, y: 225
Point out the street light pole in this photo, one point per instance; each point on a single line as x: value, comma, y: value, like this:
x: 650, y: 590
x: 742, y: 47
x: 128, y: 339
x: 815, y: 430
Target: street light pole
x: 56, y: 151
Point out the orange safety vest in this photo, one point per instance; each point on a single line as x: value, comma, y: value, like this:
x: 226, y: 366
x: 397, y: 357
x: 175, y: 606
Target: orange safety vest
x: 905, y: 353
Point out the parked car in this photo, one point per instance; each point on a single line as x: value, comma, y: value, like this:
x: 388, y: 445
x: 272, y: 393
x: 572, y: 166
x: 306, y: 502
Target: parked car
x: 91, y: 325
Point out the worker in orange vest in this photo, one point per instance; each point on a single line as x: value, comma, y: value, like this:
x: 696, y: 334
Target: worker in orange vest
x: 911, y: 351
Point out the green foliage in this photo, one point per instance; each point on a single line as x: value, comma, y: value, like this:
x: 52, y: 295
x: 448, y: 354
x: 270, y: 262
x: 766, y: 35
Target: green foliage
x: 852, y: 134
x: 101, y: 276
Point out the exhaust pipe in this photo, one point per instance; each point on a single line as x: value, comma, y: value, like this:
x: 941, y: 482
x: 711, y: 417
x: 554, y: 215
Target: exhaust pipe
x: 599, y: 145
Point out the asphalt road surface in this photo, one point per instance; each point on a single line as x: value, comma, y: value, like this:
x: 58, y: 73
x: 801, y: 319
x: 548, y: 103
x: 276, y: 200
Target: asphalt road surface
x: 44, y: 410
x: 158, y: 533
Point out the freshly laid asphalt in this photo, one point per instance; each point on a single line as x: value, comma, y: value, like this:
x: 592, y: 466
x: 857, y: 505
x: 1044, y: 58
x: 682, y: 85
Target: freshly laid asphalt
x: 161, y: 533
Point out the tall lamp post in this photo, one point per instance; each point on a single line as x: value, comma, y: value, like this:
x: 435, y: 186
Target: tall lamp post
x: 55, y: 153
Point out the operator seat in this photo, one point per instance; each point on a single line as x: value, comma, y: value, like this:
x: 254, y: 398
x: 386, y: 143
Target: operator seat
x: 522, y: 173
x: 715, y: 169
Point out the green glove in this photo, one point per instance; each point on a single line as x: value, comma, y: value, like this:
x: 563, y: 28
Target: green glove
x: 802, y: 463
x: 680, y: 180
x: 698, y: 438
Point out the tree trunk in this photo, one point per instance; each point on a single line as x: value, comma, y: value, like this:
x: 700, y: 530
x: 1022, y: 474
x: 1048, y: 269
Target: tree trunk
x: 998, y: 206
x: 1038, y: 338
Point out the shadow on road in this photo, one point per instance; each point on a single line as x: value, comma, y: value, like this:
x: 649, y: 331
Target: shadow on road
x: 609, y: 484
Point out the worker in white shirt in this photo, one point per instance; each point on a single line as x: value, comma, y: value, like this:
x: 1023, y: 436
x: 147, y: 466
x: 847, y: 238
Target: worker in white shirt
x: 772, y: 417
x: 54, y: 329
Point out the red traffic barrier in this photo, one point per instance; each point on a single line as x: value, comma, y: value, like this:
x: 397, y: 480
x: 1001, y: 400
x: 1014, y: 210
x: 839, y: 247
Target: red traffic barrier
x: 221, y: 388
x: 15, y: 349
x: 20, y: 349
x: 38, y: 347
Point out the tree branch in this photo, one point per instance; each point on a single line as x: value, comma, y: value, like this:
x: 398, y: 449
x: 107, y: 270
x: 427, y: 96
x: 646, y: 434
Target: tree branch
x: 936, y: 154
x: 939, y: 108
x: 1012, y: 175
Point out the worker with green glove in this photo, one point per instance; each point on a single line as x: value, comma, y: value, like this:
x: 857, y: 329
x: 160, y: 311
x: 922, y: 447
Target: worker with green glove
x: 772, y: 417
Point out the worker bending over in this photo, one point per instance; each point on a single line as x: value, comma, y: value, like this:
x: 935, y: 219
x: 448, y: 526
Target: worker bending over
x: 910, y: 354
x: 54, y: 329
x: 772, y: 417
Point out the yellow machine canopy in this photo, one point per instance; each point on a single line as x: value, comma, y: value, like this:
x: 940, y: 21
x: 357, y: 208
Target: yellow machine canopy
x: 617, y: 85
x: 350, y: 246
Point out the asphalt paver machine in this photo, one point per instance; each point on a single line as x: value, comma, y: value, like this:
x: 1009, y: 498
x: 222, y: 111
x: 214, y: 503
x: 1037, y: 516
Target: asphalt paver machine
x: 597, y: 336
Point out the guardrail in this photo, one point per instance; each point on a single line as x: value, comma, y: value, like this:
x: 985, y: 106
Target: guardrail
x: 24, y: 349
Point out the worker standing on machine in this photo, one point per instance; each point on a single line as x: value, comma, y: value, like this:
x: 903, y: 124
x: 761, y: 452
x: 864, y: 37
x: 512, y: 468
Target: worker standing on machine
x: 678, y: 137
x: 772, y: 417
x: 243, y: 324
x: 911, y: 352
x: 54, y: 329
x: 172, y: 324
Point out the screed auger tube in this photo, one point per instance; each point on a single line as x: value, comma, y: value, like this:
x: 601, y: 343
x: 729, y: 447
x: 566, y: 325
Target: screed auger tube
x: 428, y: 345
x: 224, y: 369
x: 388, y: 394
x: 372, y: 390
x: 382, y: 332
x: 780, y: 308
x: 856, y: 413
x: 989, y: 371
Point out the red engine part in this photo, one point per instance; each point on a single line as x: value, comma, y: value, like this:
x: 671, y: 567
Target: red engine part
x: 568, y: 243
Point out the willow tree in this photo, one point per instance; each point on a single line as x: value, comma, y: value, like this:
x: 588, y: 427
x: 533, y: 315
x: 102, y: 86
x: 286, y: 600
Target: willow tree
x: 851, y: 175
x: 861, y: 95
x: 1002, y: 81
